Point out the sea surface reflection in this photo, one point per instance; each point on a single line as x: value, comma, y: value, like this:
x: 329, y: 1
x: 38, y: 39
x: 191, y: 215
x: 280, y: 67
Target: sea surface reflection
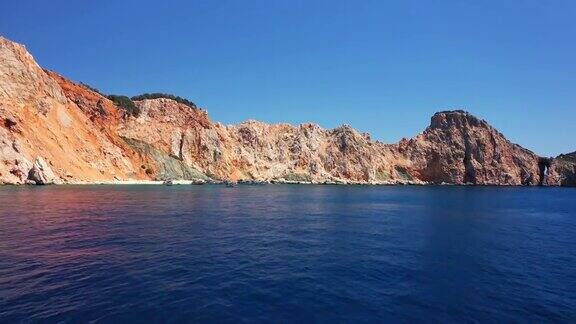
x: 287, y: 253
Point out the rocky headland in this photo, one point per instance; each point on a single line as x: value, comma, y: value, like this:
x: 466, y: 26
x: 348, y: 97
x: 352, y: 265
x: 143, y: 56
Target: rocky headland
x: 53, y: 130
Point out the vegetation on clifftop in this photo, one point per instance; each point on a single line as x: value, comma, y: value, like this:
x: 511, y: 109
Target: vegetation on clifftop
x: 128, y: 104
x: 157, y: 95
x: 125, y: 103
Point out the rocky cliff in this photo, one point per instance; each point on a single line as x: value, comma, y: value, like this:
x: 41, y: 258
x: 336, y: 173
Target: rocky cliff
x: 460, y: 148
x: 562, y: 170
x: 42, y: 123
x: 255, y: 150
x: 53, y: 130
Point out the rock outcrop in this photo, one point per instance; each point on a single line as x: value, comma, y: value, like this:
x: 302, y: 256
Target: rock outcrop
x: 255, y: 150
x: 562, y: 170
x: 53, y: 130
x: 38, y: 118
x: 23, y: 83
x: 459, y: 148
x: 41, y: 173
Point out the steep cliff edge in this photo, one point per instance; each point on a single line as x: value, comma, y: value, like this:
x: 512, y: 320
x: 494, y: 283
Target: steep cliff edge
x: 38, y: 122
x: 460, y: 148
x: 53, y: 130
x: 562, y: 170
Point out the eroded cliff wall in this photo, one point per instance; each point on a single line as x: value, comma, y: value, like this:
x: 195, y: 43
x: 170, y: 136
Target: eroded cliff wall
x: 562, y: 171
x: 38, y: 121
x: 53, y: 130
x: 255, y: 150
x: 460, y: 148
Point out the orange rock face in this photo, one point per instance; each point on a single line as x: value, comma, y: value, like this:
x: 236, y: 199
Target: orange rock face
x: 41, y: 122
x: 460, y: 148
x: 53, y: 130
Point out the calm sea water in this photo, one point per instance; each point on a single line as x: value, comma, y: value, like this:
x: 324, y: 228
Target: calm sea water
x: 282, y: 253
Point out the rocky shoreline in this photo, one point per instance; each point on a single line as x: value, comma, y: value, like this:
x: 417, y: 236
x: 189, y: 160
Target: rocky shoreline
x: 55, y: 131
x: 227, y: 182
x: 260, y: 183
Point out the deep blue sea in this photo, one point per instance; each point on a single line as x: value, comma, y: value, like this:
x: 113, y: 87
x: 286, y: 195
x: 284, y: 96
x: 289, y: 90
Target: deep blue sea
x: 287, y: 254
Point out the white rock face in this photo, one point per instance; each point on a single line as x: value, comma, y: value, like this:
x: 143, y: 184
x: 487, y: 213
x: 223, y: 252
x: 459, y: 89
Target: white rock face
x: 41, y: 173
x: 258, y: 151
x: 22, y: 81
x: 13, y: 164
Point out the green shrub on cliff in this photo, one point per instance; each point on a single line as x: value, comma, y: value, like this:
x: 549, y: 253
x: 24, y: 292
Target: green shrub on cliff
x: 157, y: 95
x: 125, y: 103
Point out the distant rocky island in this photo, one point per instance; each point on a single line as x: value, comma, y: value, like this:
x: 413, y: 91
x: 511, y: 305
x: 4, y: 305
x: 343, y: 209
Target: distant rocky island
x: 55, y: 131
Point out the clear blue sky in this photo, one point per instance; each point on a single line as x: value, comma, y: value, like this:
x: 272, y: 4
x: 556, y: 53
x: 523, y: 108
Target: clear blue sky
x: 382, y: 66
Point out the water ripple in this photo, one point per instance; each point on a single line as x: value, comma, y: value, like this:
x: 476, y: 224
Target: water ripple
x: 282, y: 253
